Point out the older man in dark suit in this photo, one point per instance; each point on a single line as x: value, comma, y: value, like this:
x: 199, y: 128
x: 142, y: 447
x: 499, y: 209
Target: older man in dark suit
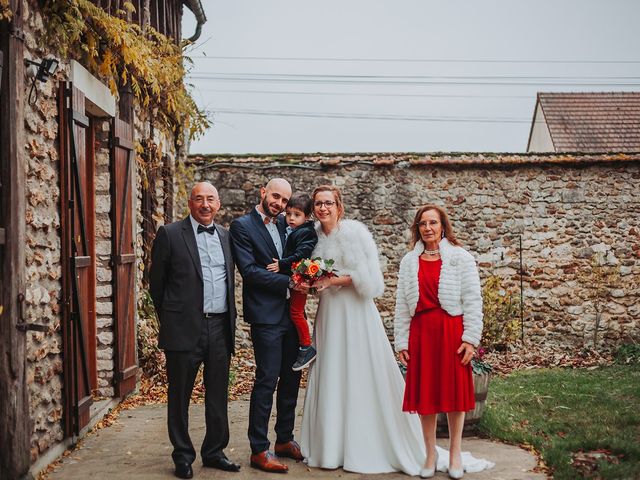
x: 192, y: 287
x: 259, y: 237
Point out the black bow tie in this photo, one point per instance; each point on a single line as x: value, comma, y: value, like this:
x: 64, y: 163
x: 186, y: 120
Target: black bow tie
x: 211, y: 229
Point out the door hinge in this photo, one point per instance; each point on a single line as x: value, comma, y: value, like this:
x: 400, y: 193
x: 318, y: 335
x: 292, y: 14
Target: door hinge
x: 24, y: 326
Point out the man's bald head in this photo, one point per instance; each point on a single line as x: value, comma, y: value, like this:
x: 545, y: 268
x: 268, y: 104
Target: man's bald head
x: 202, y: 187
x: 278, y: 184
x: 274, y: 196
x: 204, y: 203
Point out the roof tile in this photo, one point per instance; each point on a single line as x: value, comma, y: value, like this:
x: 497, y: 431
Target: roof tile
x: 593, y: 121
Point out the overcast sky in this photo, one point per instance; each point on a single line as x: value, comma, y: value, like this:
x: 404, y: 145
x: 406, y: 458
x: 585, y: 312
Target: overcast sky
x: 399, y: 75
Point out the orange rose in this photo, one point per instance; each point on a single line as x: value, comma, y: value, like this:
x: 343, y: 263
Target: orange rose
x: 313, y: 269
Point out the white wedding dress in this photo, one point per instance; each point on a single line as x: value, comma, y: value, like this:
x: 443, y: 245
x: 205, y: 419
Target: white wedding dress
x: 353, y: 405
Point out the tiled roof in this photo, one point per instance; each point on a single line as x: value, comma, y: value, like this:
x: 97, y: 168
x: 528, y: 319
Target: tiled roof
x: 593, y: 122
x: 318, y: 161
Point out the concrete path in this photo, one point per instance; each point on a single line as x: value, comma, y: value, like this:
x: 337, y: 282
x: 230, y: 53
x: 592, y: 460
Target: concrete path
x: 137, y: 447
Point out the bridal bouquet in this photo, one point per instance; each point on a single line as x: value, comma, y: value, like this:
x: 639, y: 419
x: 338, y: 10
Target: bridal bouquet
x: 310, y: 270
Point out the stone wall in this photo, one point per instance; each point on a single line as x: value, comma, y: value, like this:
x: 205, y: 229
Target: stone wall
x: 104, y: 289
x: 43, y: 243
x: 566, y: 209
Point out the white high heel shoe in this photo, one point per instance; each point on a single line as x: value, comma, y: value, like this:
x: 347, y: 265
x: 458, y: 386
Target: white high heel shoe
x: 456, y: 473
x: 430, y: 472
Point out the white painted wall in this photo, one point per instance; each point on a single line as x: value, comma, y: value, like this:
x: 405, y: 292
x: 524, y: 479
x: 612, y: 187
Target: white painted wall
x: 540, y: 136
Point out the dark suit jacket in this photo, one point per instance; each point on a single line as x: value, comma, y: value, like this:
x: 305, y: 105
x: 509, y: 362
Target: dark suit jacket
x: 176, y: 285
x: 300, y: 243
x: 264, y: 293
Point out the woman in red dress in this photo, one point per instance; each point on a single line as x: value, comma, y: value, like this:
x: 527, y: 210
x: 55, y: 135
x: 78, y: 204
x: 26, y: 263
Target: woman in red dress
x: 438, y: 324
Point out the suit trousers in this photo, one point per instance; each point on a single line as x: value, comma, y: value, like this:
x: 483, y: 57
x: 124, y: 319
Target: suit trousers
x: 276, y: 349
x: 214, y: 351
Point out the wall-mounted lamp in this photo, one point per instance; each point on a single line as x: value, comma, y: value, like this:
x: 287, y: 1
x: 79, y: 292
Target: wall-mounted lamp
x: 46, y: 68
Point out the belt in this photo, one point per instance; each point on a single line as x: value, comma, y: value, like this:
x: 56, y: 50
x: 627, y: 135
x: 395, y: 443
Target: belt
x: 213, y: 315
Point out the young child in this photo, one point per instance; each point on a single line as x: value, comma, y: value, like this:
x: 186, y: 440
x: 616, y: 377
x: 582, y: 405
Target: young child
x: 301, y: 240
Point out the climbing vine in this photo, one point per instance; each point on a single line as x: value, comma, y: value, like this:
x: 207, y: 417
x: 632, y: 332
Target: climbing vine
x: 123, y: 53
x: 5, y: 11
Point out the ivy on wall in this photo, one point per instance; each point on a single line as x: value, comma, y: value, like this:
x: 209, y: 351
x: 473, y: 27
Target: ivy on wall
x: 123, y: 53
x: 5, y: 11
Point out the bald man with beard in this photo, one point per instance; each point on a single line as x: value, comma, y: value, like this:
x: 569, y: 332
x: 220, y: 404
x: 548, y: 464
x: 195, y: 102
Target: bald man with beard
x: 192, y: 287
x: 258, y: 238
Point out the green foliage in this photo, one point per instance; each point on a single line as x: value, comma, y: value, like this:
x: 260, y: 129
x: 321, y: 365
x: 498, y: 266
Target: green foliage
x: 123, y: 53
x: 628, y: 354
x: 501, y: 309
x: 571, y: 414
x: 150, y: 357
x: 233, y: 375
x: 184, y: 177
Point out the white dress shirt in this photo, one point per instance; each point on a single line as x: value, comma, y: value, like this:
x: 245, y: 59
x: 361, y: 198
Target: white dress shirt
x: 273, y: 231
x: 214, y: 272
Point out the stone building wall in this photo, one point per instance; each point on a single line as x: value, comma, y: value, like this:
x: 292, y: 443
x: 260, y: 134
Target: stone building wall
x: 43, y: 244
x: 567, y: 209
x: 43, y: 278
x: 104, y: 289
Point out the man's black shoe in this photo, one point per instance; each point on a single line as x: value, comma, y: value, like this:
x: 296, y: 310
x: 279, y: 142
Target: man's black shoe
x: 222, y: 463
x: 183, y: 470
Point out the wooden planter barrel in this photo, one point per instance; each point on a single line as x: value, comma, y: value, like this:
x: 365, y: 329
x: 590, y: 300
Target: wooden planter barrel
x: 471, y: 419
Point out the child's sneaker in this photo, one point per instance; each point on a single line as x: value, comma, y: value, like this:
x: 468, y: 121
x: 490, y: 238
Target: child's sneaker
x: 306, y: 355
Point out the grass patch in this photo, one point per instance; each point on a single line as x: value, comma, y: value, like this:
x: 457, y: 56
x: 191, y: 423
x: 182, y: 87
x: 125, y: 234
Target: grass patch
x: 584, y: 423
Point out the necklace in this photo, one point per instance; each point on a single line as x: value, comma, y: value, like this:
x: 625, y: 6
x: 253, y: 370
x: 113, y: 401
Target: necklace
x: 430, y: 252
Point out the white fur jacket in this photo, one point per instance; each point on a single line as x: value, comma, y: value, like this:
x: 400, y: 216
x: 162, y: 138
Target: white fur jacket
x: 355, y: 253
x: 458, y: 292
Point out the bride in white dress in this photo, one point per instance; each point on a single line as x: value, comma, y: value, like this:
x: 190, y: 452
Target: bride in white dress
x: 353, y: 406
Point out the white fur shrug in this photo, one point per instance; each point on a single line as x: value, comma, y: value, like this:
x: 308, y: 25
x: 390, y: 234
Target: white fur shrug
x: 458, y: 292
x: 352, y: 248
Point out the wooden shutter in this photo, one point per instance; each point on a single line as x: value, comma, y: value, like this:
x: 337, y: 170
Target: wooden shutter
x: 2, y: 181
x: 123, y: 257
x: 16, y: 427
x: 77, y: 260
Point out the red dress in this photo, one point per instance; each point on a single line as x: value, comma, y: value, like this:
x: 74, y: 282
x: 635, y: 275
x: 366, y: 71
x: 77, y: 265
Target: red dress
x: 436, y: 381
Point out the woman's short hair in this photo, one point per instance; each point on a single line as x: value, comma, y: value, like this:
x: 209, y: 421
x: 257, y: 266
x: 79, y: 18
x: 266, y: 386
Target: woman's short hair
x: 444, y: 220
x: 302, y: 202
x: 337, y: 196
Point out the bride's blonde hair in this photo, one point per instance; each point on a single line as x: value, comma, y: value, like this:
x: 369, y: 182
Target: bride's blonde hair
x: 337, y: 196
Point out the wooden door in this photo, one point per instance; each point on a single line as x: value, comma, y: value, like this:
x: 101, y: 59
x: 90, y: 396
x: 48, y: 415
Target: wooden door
x: 123, y: 257
x: 78, y: 258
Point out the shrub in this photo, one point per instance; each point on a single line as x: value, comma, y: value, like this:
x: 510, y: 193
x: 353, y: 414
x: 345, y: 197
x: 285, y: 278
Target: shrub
x: 501, y: 307
x: 599, y: 279
x: 628, y: 354
x: 150, y: 357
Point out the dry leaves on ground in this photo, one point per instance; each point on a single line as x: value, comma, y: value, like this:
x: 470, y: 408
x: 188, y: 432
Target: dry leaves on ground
x: 587, y: 462
x: 527, y: 357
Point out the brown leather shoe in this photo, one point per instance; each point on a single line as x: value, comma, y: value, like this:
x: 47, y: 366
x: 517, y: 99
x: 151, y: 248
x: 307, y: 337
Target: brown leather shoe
x: 290, y: 449
x: 268, y: 462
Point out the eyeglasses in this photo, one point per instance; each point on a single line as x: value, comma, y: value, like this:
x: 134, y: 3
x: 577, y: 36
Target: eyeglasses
x: 326, y: 203
x: 430, y: 223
